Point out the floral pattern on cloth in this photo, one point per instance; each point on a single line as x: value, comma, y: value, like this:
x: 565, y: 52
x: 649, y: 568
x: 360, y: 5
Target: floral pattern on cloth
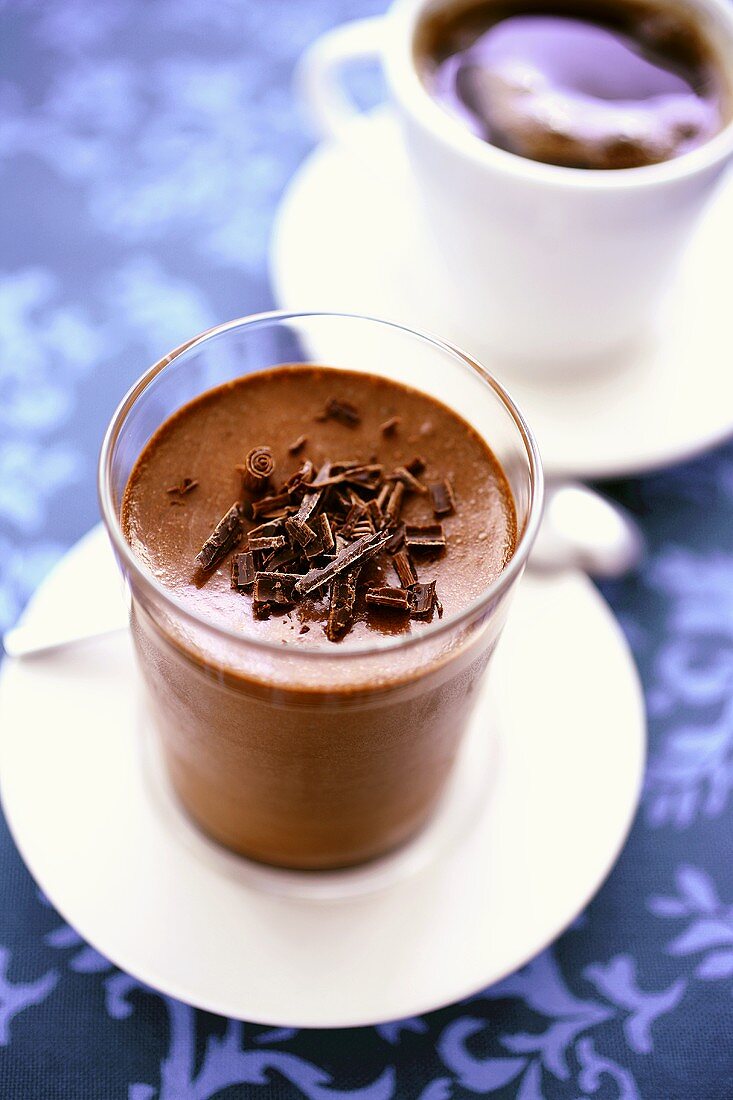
x: 144, y: 145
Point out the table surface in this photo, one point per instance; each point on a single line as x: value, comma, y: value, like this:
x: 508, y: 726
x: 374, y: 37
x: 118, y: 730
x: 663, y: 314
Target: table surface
x: 144, y: 149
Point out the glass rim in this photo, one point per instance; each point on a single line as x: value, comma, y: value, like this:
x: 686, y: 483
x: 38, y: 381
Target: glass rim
x: 134, y: 567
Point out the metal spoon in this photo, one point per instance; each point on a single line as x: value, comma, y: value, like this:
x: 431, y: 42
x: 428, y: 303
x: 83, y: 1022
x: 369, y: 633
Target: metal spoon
x: 30, y: 641
x: 580, y: 530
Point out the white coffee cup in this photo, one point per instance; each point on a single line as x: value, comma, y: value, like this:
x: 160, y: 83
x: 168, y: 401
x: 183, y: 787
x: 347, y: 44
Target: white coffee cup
x: 547, y: 267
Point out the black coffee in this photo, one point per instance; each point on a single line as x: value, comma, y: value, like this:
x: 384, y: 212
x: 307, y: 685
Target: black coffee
x: 578, y: 84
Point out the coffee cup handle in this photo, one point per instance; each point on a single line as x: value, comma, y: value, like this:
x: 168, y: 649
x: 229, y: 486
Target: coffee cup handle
x: 581, y: 529
x: 318, y: 75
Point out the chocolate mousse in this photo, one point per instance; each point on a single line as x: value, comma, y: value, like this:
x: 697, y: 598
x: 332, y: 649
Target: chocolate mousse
x: 313, y: 512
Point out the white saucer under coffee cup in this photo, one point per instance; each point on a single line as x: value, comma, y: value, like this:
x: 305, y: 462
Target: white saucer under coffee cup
x: 544, y: 266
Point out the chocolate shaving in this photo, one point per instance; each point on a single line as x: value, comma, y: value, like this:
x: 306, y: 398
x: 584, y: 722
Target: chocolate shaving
x: 296, y: 484
x: 390, y: 426
x: 279, y: 558
x: 422, y: 600
x: 341, y: 608
x: 425, y: 537
x: 362, y: 476
x: 259, y: 465
x: 268, y: 536
x: 271, y: 527
x: 275, y: 588
x: 314, y: 497
x: 325, y: 477
x: 341, y: 500
x: 352, y: 519
x: 375, y: 514
x: 186, y: 486
x: 383, y: 496
x: 345, y: 464
x: 396, y: 539
x: 363, y: 527
x: 441, y: 494
x: 367, y: 476
x: 299, y: 532
x: 408, y: 480
x: 266, y: 542
x: 392, y: 599
x: 348, y: 512
x: 304, y: 629
x: 297, y: 444
x: 322, y: 541
x: 343, y: 411
x: 243, y: 570
x: 353, y: 555
x: 394, y: 504
x: 270, y: 506
x: 225, y: 536
x: 404, y: 568
x: 309, y: 506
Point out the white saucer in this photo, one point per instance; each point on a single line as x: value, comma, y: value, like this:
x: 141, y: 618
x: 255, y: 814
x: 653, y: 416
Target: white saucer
x: 93, y: 818
x: 347, y: 238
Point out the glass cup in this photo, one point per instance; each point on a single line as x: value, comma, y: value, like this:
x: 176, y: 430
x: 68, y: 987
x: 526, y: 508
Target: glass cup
x: 320, y: 758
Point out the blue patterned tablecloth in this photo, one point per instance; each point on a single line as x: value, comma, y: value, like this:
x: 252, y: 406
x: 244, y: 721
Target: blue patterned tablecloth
x: 143, y: 147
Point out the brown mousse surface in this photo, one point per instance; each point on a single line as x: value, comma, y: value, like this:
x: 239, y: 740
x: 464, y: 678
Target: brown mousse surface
x: 455, y: 505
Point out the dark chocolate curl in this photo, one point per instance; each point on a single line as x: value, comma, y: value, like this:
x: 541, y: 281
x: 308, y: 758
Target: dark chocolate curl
x: 259, y: 465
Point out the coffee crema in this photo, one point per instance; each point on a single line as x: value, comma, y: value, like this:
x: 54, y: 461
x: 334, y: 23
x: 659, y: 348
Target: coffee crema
x: 592, y: 85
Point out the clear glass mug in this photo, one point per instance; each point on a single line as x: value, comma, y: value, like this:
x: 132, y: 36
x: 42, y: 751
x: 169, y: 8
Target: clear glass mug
x: 322, y: 758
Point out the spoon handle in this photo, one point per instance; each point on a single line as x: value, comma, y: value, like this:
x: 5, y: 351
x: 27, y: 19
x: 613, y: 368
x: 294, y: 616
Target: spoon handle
x: 28, y: 641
